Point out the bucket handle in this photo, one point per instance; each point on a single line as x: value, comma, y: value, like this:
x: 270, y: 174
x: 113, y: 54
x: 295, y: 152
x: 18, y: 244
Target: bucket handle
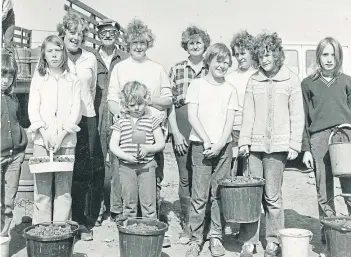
x: 342, y: 195
x: 280, y: 237
x: 337, y: 128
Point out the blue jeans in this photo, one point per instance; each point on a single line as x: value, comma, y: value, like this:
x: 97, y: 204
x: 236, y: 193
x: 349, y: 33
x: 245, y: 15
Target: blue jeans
x: 324, y: 176
x: 206, y: 176
x: 10, y: 175
x: 271, y: 168
x: 116, y: 205
x: 138, y: 182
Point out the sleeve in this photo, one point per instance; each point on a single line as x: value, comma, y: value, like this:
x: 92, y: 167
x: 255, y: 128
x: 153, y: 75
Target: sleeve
x: 248, y: 116
x: 233, y: 100
x: 297, y: 115
x: 166, y: 90
x: 117, y: 125
x: 114, y: 87
x: 34, y: 105
x: 192, y: 96
x: 94, y: 78
x: 6, y: 7
x: 71, y: 124
x: 172, y: 77
x: 306, y: 145
x: 156, y: 122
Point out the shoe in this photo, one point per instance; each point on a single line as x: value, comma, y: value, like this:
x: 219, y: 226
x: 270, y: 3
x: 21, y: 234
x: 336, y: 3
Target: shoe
x: 272, y: 250
x: 193, y: 250
x: 85, y: 234
x: 247, y: 250
x: 216, y: 247
x: 166, y: 242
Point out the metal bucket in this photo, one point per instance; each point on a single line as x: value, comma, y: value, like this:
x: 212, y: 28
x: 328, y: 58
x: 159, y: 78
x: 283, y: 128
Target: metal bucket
x: 340, y: 155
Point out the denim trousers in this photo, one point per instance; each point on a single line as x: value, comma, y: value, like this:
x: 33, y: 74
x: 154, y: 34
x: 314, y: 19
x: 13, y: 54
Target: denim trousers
x: 184, y: 161
x: 44, y: 210
x: 116, y: 205
x: 206, y: 176
x: 10, y: 175
x: 271, y: 168
x: 138, y: 183
x: 323, y: 171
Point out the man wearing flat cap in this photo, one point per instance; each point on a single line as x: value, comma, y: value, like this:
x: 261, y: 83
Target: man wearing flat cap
x: 108, y: 55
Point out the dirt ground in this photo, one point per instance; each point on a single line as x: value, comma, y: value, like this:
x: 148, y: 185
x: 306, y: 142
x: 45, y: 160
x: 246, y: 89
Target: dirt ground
x: 299, y: 203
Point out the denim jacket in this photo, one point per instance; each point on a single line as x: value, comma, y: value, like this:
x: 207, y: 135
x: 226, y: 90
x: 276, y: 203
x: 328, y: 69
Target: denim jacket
x: 273, y: 115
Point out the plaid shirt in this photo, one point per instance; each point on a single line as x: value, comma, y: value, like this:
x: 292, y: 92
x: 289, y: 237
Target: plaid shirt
x: 180, y: 76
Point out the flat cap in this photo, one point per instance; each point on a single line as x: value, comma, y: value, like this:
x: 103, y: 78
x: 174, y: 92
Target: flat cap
x: 106, y: 22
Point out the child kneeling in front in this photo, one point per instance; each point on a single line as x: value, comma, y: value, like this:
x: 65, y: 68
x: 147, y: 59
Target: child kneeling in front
x: 135, y: 139
x: 212, y: 103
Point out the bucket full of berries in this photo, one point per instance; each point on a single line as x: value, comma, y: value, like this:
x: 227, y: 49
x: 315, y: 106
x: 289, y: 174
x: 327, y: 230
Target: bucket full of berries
x: 51, y: 163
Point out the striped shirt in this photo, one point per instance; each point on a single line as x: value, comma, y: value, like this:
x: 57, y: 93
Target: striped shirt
x: 146, y: 125
x: 180, y: 76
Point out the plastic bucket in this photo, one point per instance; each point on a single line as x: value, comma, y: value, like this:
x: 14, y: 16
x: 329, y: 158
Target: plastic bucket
x: 58, y: 246
x: 338, y: 236
x: 241, y: 202
x: 141, y: 243
x: 295, y: 242
x: 4, y: 246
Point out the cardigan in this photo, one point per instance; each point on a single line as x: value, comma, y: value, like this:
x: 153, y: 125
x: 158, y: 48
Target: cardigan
x: 273, y: 115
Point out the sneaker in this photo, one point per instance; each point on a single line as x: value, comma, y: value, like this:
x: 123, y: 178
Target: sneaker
x: 193, y: 250
x: 272, y: 250
x: 247, y: 250
x: 216, y: 247
x: 85, y: 234
x: 184, y: 238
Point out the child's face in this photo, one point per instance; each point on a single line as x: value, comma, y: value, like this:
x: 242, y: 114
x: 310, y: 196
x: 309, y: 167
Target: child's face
x: 244, y: 58
x: 196, y: 46
x: 53, y: 55
x: 137, y: 110
x: 6, y: 81
x: 267, y: 61
x: 327, y: 59
x: 219, y: 67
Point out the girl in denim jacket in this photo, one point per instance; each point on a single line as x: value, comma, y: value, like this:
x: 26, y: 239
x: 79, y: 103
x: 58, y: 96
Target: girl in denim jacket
x: 54, y: 112
x: 271, y: 134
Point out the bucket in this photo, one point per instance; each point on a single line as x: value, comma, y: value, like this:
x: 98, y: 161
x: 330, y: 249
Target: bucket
x: 58, y: 246
x: 340, y: 153
x: 141, y: 243
x: 241, y: 202
x: 26, y: 183
x: 295, y: 242
x: 4, y: 246
x: 22, y: 56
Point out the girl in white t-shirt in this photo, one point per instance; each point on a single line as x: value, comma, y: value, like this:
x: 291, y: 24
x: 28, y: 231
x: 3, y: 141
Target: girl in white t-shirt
x: 212, y: 103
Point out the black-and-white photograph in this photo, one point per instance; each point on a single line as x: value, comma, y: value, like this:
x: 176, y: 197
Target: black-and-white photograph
x: 183, y: 128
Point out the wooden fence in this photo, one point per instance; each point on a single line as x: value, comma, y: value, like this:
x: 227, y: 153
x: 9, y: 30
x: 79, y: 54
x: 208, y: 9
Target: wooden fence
x: 92, y: 17
x: 22, y: 37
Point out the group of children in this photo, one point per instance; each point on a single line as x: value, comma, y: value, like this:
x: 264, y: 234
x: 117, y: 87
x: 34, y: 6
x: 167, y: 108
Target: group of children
x: 262, y: 107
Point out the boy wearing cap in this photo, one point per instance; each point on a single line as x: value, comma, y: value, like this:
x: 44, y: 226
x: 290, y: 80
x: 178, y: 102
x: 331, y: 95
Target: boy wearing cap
x: 108, y: 55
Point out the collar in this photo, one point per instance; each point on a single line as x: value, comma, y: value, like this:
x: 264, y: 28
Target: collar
x: 104, y: 55
x: 188, y: 64
x: 282, y: 75
x: 64, y: 74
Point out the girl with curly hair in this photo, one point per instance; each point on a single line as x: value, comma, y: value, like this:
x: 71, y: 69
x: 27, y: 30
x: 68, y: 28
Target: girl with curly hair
x: 89, y: 158
x: 139, y: 38
x: 271, y: 134
x: 54, y: 110
x: 137, y: 165
x: 327, y: 101
x: 195, y: 41
x: 242, y: 47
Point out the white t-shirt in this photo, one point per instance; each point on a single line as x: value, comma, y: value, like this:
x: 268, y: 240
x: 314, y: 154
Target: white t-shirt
x: 239, y: 80
x: 213, y: 103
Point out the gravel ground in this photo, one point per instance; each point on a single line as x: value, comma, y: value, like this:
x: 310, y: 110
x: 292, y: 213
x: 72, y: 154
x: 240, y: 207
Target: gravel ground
x: 299, y: 203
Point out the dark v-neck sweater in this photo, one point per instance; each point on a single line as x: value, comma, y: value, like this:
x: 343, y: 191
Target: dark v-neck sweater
x: 327, y: 104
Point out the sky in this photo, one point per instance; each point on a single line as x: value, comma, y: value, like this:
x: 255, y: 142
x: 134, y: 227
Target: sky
x: 296, y: 21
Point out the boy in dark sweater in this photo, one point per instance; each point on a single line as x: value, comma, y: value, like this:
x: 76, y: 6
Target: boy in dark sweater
x: 327, y: 103
x: 13, y: 142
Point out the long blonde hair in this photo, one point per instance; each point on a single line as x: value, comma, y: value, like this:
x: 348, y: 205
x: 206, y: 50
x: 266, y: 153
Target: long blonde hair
x: 338, y: 56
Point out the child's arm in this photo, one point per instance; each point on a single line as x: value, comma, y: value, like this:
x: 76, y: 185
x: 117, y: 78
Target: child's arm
x: 196, y: 124
x: 116, y: 150
x: 158, y: 146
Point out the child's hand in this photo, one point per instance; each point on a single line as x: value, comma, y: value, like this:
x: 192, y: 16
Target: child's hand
x: 57, y: 144
x: 214, y: 151
x: 143, y: 151
x: 207, y: 145
x: 244, y: 151
x: 131, y: 158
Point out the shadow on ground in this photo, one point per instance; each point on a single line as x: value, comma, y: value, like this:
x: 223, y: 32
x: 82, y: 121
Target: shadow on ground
x: 18, y: 242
